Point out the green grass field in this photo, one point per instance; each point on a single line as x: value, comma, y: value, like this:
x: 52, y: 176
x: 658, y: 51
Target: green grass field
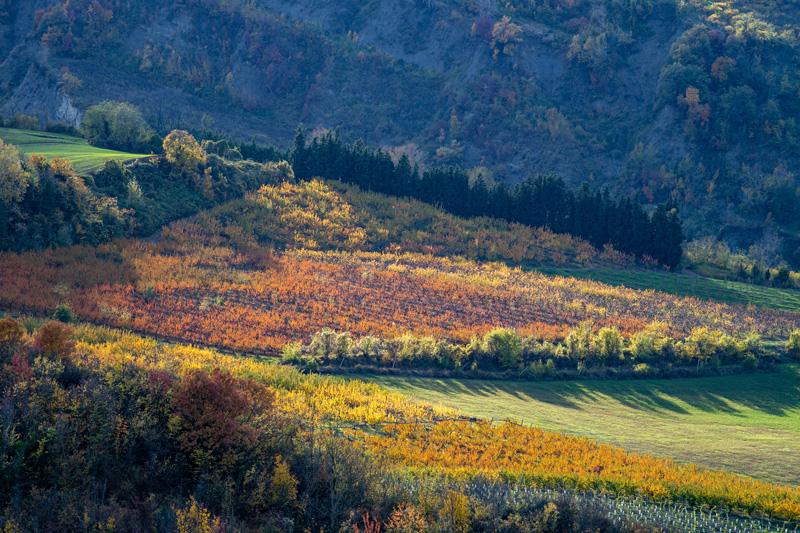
x: 84, y: 158
x: 747, y: 424
x: 731, y: 292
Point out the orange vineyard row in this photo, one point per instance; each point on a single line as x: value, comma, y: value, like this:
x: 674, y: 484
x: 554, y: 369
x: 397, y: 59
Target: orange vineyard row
x: 212, y: 296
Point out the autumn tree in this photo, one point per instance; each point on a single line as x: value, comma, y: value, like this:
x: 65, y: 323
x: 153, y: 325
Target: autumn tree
x: 183, y: 151
x: 14, y: 178
x: 213, y: 412
x: 11, y: 335
x: 54, y: 340
x: 505, y: 37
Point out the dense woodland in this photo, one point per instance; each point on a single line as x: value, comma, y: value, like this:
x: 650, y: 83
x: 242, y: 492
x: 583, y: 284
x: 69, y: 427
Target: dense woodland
x: 45, y: 203
x: 559, y: 87
x: 148, y: 191
x: 545, y: 201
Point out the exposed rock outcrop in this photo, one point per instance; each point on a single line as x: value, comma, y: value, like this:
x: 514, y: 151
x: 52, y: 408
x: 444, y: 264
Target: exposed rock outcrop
x: 38, y: 96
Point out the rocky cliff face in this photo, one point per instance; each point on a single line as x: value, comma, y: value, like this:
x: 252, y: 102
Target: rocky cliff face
x: 38, y: 96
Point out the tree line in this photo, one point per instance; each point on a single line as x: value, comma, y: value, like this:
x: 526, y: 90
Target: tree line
x: 544, y: 201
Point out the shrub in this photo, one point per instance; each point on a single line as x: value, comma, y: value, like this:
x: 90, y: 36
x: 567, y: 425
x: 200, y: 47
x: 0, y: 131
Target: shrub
x: 729, y: 349
x: 505, y: 345
x: 793, y: 346
x: 539, y: 370
x: 643, y: 346
x: 369, y: 346
x: 642, y: 370
x: 194, y: 518
x: 608, y: 344
x: 579, y: 341
x: 327, y: 344
x: 749, y: 361
x: 701, y: 344
x: 292, y: 352
x: 752, y: 345
x: 63, y: 313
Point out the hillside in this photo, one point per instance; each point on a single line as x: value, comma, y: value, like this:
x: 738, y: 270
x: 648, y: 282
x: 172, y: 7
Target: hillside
x: 47, y: 201
x: 684, y: 100
x: 219, y: 436
x: 83, y: 157
x: 215, y: 279
x: 187, y: 439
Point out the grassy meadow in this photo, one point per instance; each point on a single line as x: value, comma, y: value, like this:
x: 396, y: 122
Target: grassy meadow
x: 84, y: 158
x: 746, y: 424
x: 730, y: 292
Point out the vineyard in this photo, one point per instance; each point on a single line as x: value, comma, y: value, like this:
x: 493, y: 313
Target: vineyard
x: 334, y: 216
x: 464, y: 449
x: 217, y: 298
x: 213, y: 280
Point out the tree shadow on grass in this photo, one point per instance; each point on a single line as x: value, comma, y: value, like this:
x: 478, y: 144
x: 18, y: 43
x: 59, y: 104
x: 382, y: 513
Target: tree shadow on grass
x: 775, y: 394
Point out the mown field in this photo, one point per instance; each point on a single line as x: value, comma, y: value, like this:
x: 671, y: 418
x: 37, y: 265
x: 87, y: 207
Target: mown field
x: 84, y: 158
x: 747, y: 424
x: 731, y: 292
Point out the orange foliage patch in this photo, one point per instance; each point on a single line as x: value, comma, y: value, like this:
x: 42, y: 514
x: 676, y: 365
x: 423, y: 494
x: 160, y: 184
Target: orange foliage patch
x: 215, y: 297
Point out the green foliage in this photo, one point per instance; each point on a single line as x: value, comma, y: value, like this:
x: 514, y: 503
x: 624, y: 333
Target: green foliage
x: 292, y: 352
x: 643, y: 346
x: 14, y: 177
x: 505, y: 345
x: 608, y: 344
x: 116, y: 125
x: 793, y: 345
x: 84, y: 157
x: 63, y: 313
x: 583, y: 352
x: 58, y: 209
x: 327, y: 344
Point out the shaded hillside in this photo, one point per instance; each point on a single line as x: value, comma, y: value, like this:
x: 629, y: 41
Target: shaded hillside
x: 665, y: 100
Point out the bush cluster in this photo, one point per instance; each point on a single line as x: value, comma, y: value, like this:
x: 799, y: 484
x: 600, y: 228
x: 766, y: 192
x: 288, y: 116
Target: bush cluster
x: 585, y: 349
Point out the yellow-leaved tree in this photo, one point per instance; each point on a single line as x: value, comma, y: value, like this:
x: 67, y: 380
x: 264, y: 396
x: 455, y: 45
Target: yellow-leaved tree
x: 183, y: 151
x: 14, y: 178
